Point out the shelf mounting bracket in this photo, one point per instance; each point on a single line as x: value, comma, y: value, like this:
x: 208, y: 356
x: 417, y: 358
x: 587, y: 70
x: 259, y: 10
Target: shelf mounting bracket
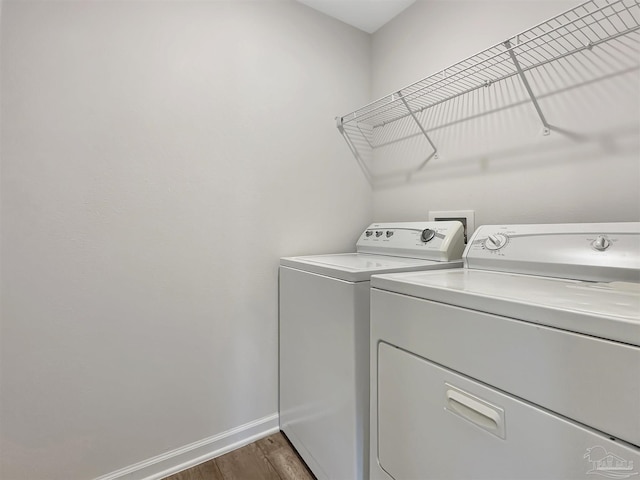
x: 354, y: 150
x: 546, y: 127
x: 433, y: 154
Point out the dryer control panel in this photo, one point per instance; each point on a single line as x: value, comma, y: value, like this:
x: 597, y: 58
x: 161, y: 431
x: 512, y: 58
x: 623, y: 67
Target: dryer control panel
x: 600, y: 252
x: 439, y: 241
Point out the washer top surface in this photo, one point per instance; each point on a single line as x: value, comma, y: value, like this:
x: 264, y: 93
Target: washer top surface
x: 388, y: 248
x: 583, y: 278
x: 358, y: 267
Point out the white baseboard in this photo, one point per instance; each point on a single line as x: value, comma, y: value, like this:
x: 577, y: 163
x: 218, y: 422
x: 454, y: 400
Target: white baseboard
x: 195, y: 453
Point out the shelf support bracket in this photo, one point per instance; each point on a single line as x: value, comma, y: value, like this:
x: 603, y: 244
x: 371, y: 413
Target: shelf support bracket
x: 354, y: 151
x: 424, y: 132
x: 546, y: 127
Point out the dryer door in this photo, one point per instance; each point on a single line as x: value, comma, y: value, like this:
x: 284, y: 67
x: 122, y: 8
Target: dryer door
x: 436, y: 424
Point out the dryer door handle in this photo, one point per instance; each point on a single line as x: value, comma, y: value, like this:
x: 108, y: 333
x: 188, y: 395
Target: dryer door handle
x: 475, y: 410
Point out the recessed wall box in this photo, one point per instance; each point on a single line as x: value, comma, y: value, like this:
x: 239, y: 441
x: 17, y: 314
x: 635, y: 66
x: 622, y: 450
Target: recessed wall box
x: 467, y: 217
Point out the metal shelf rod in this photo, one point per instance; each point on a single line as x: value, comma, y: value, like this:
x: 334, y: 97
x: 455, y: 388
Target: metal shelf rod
x: 372, y: 114
x: 470, y: 69
x: 546, y: 46
x: 525, y: 82
x: 424, y: 132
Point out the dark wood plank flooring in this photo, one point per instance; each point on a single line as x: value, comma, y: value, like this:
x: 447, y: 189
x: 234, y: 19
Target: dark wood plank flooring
x: 271, y: 458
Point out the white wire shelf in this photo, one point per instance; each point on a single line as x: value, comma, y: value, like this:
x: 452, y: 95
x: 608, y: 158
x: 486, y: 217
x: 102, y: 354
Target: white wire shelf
x: 583, y: 28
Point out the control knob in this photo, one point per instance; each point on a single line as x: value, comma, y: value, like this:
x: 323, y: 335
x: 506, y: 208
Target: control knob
x: 495, y: 242
x: 378, y: 233
x: 427, y: 235
x: 601, y: 243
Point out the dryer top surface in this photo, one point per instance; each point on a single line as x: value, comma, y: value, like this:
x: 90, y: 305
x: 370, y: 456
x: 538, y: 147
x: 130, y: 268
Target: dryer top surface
x: 606, y: 310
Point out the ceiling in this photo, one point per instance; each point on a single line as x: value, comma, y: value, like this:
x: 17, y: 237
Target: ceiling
x: 367, y: 15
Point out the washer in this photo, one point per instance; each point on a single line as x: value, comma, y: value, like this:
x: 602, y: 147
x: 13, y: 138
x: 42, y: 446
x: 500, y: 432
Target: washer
x: 324, y: 339
x: 523, y: 364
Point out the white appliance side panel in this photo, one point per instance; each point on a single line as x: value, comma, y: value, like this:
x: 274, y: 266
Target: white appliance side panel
x: 435, y: 424
x: 324, y: 372
x: 594, y: 381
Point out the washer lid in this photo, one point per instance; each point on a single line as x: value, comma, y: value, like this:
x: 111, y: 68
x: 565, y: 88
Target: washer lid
x: 605, y: 310
x: 358, y: 267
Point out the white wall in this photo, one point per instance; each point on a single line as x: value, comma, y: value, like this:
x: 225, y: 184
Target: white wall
x: 157, y: 160
x: 500, y: 165
x: 159, y: 157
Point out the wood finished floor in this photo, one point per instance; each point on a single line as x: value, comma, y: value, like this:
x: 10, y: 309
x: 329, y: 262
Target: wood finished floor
x: 271, y: 458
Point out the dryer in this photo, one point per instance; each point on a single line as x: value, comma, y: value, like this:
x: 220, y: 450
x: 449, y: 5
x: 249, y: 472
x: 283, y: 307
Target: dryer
x: 324, y: 338
x: 523, y: 364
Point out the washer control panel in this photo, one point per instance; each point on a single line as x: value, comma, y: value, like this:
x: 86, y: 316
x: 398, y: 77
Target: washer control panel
x: 440, y: 241
x: 590, y: 251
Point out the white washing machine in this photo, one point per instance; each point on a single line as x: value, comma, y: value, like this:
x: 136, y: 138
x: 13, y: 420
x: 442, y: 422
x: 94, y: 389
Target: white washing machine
x: 324, y: 339
x: 523, y: 364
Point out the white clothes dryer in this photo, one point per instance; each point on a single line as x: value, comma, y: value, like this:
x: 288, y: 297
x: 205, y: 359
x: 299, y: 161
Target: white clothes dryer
x: 324, y: 339
x: 525, y: 364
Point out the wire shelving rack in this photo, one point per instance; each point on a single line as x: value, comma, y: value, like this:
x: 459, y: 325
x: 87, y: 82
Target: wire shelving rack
x: 589, y: 25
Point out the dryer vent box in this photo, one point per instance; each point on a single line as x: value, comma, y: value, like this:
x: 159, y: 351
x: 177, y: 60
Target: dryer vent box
x: 466, y: 217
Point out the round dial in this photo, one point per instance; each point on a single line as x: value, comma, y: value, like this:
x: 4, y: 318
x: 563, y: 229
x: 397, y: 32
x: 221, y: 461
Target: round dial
x: 427, y: 235
x: 496, y: 241
x: 601, y: 243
